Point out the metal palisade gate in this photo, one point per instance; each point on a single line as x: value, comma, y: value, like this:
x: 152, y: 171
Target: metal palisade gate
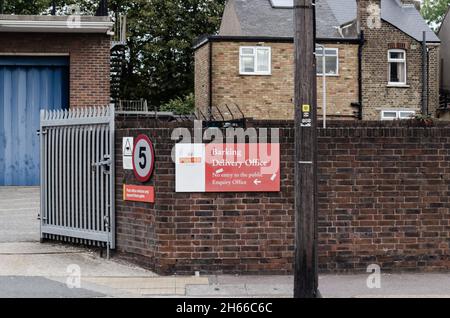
x: 77, y: 176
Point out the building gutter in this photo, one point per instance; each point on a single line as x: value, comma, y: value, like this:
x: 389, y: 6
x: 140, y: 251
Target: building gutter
x: 228, y: 38
x: 210, y: 71
x: 69, y: 24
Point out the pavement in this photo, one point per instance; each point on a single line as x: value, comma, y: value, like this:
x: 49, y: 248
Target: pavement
x: 29, y: 269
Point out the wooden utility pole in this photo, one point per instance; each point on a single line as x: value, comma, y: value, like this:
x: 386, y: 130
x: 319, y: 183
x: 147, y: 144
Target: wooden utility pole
x: 306, y: 277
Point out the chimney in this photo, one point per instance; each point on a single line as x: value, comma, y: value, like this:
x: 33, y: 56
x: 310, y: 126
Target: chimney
x: 368, y: 14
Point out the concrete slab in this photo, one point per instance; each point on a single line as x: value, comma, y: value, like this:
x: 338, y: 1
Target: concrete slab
x: 56, y: 265
x: 37, y: 248
x: 392, y: 286
x: 254, y: 279
x: 149, y: 286
x: 19, y: 209
x: 217, y: 291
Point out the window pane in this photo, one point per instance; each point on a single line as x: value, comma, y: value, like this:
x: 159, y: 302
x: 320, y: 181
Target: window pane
x: 397, y: 55
x: 408, y: 114
x: 392, y: 115
x: 331, y: 65
x: 319, y: 51
x: 401, y: 71
x: 393, y: 73
x: 330, y: 52
x: 397, y: 72
x: 247, y: 51
x: 263, y: 60
x: 247, y: 64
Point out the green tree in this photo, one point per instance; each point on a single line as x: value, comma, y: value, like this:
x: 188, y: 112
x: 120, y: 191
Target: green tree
x: 44, y: 6
x: 434, y: 11
x: 24, y: 6
x: 161, y: 33
x: 180, y: 106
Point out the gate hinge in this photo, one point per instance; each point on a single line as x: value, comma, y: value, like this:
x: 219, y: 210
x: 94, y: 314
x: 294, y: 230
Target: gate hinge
x: 38, y: 132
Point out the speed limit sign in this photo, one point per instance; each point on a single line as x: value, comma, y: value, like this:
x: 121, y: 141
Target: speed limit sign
x: 143, y: 158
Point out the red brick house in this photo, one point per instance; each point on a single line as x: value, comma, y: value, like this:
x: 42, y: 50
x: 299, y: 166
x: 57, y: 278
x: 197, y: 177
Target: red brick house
x: 46, y: 62
x: 373, y: 52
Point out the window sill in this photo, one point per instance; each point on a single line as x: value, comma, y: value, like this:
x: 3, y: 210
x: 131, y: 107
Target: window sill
x: 328, y: 75
x: 398, y: 86
x: 255, y: 74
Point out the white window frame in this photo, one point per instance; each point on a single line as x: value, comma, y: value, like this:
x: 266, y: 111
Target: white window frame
x: 397, y: 114
x: 390, y: 61
x: 255, y: 55
x: 319, y: 61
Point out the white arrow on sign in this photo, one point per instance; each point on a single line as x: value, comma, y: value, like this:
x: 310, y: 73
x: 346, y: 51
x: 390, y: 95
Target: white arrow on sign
x: 257, y: 182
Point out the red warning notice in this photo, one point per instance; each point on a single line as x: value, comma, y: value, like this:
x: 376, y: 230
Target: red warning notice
x: 138, y: 193
x: 242, y: 168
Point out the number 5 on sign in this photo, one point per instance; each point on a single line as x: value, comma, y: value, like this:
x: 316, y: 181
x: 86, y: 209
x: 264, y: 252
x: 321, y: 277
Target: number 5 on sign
x: 143, y: 158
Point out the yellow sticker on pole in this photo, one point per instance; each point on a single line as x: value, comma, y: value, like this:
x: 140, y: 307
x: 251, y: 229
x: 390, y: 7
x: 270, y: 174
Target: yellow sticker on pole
x: 306, y: 108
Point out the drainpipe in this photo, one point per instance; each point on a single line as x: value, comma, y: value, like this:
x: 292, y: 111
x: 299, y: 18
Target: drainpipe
x: 424, y: 75
x: 210, y: 81
x: 360, y: 97
x: 428, y: 82
x: 324, y: 86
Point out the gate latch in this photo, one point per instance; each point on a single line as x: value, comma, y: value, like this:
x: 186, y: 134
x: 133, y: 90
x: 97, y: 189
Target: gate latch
x: 105, y: 164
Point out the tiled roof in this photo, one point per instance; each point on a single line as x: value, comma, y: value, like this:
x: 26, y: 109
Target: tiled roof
x: 259, y: 18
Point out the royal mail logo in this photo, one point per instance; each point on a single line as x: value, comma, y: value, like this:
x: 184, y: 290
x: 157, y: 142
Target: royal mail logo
x: 188, y: 160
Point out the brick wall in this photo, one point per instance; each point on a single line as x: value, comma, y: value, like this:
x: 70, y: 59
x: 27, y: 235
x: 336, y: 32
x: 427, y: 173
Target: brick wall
x: 377, y: 95
x: 384, y: 198
x: 182, y: 233
x: 384, y: 192
x: 89, y: 61
x: 271, y: 97
x: 434, y: 79
x: 202, y: 74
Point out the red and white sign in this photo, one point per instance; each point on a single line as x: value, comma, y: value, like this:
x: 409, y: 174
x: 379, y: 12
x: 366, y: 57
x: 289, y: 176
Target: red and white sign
x: 138, y: 193
x: 143, y: 158
x: 228, y: 167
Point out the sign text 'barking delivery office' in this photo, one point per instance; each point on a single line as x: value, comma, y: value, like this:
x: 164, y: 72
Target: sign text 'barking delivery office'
x: 228, y: 167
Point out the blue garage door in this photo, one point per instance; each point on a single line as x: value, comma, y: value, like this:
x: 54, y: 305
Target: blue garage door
x: 27, y: 85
